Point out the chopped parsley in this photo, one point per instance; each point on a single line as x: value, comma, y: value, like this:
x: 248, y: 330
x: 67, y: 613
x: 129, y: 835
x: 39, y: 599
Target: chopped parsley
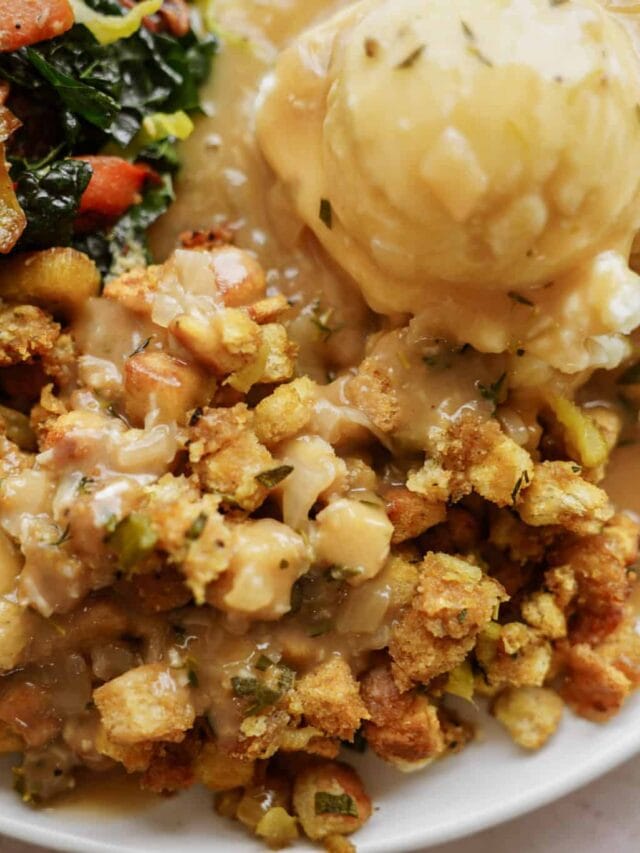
x: 494, y: 393
x: 326, y: 213
x: 327, y: 803
x: 321, y: 319
x: 270, y: 479
x: 263, y: 663
x: 462, y: 615
x: 197, y: 527
x: 257, y: 693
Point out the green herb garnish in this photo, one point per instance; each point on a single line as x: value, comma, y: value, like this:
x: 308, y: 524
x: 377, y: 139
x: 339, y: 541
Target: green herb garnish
x: 270, y: 479
x: 141, y: 346
x: 65, y: 535
x: 197, y: 527
x: 494, y: 393
x: 326, y: 803
x: 257, y: 692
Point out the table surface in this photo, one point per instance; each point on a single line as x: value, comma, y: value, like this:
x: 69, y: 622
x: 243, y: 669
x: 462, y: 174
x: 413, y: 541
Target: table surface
x: 601, y: 817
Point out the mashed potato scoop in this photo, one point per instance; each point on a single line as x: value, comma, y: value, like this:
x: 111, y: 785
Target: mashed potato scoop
x: 456, y: 157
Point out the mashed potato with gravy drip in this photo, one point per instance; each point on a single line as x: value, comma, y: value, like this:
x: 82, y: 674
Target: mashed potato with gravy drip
x: 451, y: 153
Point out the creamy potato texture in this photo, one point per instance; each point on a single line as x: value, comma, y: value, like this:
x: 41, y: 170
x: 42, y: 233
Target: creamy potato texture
x: 453, y: 155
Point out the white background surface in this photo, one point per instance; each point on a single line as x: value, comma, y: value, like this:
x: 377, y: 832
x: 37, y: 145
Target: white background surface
x: 604, y: 817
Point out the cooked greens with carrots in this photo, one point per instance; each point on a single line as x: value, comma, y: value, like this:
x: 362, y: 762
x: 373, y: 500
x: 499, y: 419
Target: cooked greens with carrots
x: 94, y: 97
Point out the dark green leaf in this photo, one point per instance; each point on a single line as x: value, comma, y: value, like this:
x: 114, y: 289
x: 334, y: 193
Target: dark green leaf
x: 90, y: 103
x: 50, y: 198
x: 259, y: 695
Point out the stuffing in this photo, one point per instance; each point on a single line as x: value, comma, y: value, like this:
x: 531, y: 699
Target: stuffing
x: 519, y: 541
x: 599, y: 564
x: 329, y: 698
x: 285, y: 412
x: 541, y: 611
x: 134, y: 757
x: 371, y: 390
x: 519, y: 656
x: 135, y: 289
x: 403, y: 728
x: 219, y: 772
x: 268, y: 310
x: 481, y: 458
x: 224, y: 343
x: 329, y: 799
x: 228, y: 459
x: 531, y: 715
x: 281, y: 354
x: 621, y: 648
x: 147, y: 703
x: 25, y: 332
x: 411, y: 513
x: 592, y: 687
x: 431, y: 481
x: 559, y: 495
x: 453, y: 601
x: 16, y: 627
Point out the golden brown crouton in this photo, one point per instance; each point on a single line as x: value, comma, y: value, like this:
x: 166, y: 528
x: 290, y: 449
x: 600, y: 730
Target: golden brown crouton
x: 239, y: 277
x: 135, y: 289
x: 519, y: 541
x: 622, y: 647
x: 281, y: 354
x: 220, y: 772
x: 145, y: 704
x: 156, y: 381
x: 411, y: 514
x: 531, y: 715
x: 224, y: 343
x: 25, y: 332
x: 404, y: 728
x: 454, y: 600
x: 541, y: 611
x: 481, y: 458
x: 329, y: 699
x: 268, y: 310
x: 371, y: 390
x: 599, y: 564
x: 228, y: 459
x: 559, y: 495
x: 521, y: 657
x: 285, y: 412
x: 592, y: 687
x: 329, y: 799
x: 561, y: 582
x: 134, y: 757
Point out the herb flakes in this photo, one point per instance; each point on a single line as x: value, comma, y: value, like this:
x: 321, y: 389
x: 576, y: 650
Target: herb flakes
x: 259, y: 695
x: 197, y: 527
x: 494, y: 393
x: 270, y: 479
x: 342, y: 804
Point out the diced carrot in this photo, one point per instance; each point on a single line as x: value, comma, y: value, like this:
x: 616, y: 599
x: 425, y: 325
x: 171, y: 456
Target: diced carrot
x: 115, y: 185
x: 25, y: 22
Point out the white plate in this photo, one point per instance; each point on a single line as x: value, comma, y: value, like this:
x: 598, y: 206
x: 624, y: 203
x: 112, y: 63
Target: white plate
x: 490, y: 782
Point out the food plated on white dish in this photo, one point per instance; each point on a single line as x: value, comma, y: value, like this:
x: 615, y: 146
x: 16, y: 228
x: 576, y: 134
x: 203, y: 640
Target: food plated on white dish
x: 319, y: 391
